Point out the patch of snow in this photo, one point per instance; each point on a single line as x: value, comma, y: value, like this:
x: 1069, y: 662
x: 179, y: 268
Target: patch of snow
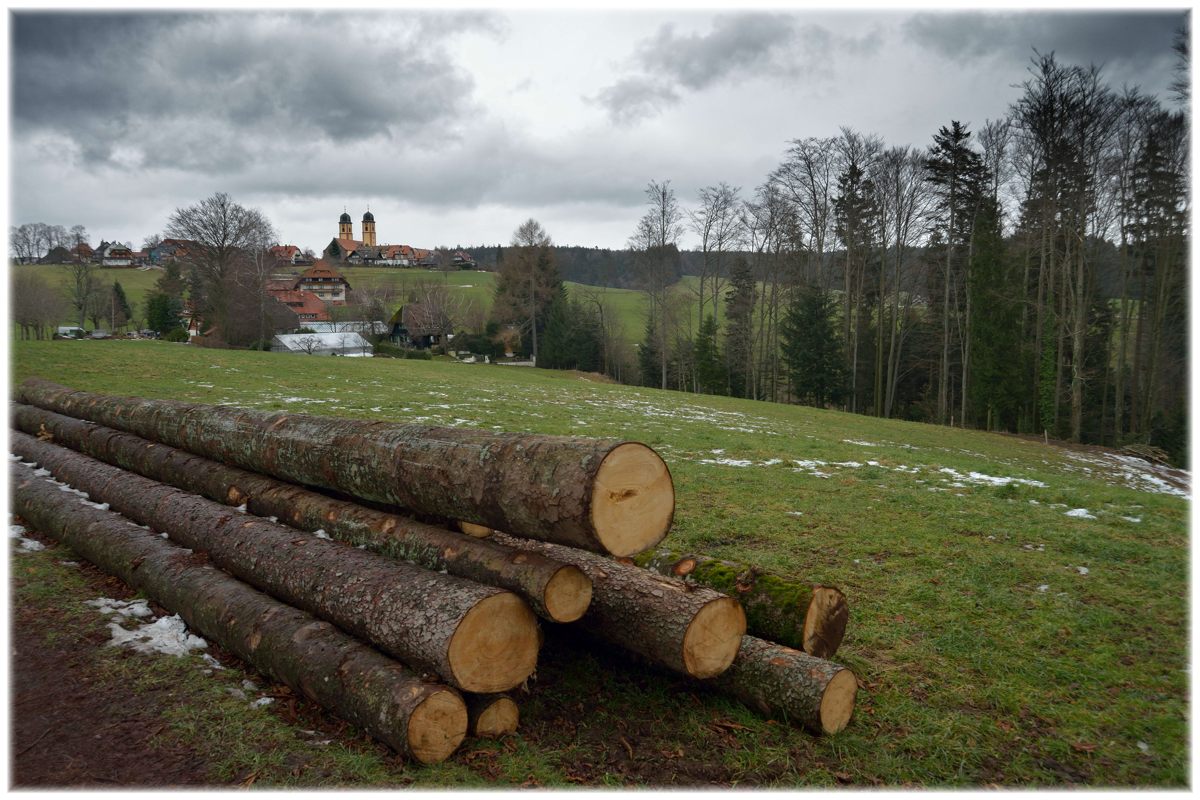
x: 100, y: 506
x: 795, y: 513
x: 320, y: 533
x: 25, y: 544
x: 121, y: 609
x: 861, y: 443
x: 242, y: 508
x: 1143, y: 746
x: 69, y: 563
x: 212, y: 662
x: 990, y: 480
x: 1082, y: 570
x: 167, y: 635
x: 1044, y: 587
x: 164, y: 535
x: 1132, y: 519
x: 720, y: 451
x: 1080, y: 513
x: 263, y: 701
x: 771, y: 462
x: 728, y: 462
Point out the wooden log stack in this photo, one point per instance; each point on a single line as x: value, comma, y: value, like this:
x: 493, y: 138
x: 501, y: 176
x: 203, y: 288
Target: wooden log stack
x: 380, y: 617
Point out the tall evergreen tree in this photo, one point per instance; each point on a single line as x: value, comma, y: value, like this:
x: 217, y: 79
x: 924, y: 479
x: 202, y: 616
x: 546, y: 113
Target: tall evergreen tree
x: 739, y: 329
x: 812, y: 349
x: 711, y: 374
x: 995, y: 327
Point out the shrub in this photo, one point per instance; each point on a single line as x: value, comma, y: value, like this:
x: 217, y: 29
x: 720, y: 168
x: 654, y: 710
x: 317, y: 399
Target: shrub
x: 419, y: 355
x: 176, y: 335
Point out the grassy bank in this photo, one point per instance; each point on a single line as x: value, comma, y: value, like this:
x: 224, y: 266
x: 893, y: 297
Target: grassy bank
x: 1018, y: 610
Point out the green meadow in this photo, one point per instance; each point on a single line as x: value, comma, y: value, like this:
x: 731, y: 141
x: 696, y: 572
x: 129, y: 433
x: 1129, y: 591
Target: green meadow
x: 1019, y: 612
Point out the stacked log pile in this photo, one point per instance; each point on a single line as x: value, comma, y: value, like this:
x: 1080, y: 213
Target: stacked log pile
x: 413, y: 630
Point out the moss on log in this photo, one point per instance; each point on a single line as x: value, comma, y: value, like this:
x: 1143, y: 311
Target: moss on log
x: 559, y: 592
x: 807, y: 617
x: 780, y: 681
x: 600, y: 495
x: 475, y: 637
x: 424, y: 720
x: 687, y: 628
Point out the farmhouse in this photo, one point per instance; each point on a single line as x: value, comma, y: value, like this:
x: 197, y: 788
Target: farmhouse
x: 345, y: 343
x: 421, y: 325
x: 115, y: 254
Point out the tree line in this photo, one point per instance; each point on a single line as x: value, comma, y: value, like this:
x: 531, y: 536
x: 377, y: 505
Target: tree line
x: 1028, y: 276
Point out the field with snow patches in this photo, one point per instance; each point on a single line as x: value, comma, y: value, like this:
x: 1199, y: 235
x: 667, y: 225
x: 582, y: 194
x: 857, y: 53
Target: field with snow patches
x: 1018, y: 610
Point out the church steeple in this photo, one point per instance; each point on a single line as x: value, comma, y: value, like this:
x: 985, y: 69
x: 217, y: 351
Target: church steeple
x: 369, y: 228
x: 345, y: 226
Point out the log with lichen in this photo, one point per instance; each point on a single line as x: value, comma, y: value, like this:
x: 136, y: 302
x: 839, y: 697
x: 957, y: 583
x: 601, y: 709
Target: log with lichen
x: 477, y: 638
x: 557, y: 591
x: 424, y: 720
x: 690, y: 629
x: 602, y: 495
x: 783, y: 682
x: 802, y: 615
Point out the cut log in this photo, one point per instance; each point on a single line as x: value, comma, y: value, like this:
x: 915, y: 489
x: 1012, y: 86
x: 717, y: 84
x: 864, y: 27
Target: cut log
x: 353, y: 681
x: 778, y: 680
x: 687, y: 628
x: 607, y: 496
x: 791, y: 612
x: 471, y: 529
x: 475, y: 637
x: 491, y: 715
x: 557, y: 591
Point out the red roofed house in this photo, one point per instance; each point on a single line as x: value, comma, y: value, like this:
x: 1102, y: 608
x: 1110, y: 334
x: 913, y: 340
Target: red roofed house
x: 306, y: 305
x: 325, y: 282
x: 287, y: 252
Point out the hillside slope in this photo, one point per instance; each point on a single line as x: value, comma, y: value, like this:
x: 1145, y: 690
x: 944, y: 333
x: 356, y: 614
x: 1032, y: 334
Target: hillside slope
x: 1018, y: 610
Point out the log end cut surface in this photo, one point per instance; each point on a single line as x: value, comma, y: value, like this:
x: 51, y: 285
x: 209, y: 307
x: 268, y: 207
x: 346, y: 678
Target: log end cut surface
x: 495, y: 646
x: 633, y: 499
x: 498, y: 719
x: 837, y: 703
x: 713, y: 638
x: 825, y: 622
x: 568, y: 594
x: 437, y: 727
x: 473, y: 529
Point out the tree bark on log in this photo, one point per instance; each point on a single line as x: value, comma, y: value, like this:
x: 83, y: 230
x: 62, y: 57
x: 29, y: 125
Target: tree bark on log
x: 491, y: 715
x: 353, y: 681
x: 605, y: 495
x: 797, y: 614
x: 777, y: 680
x: 557, y: 591
x: 475, y: 637
x: 687, y: 628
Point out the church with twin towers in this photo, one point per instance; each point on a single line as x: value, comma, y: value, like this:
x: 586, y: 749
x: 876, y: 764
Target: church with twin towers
x: 346, y: 249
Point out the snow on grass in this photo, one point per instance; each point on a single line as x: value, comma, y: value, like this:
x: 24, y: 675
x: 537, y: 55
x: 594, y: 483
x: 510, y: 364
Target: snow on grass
x: 1132, y: 519
x: 167, y: 635
x: 1080, y: 513
x: 321, y: 534
x: 121, y: 609
x: 990, y: 480
x: 1136, y: 473
x: 728, y: 462
x: 25, y: 544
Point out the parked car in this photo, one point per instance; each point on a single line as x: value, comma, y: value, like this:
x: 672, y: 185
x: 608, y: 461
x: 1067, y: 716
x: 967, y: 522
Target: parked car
x: 100, y: 334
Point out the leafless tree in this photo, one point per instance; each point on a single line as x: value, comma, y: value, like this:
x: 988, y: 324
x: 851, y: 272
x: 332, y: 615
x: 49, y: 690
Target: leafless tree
x: 656, y: 242
x: 309, y: 344
x: 718, y: 225
x: 36, y: 306
x: 83, y: 287
x: 225, y: 232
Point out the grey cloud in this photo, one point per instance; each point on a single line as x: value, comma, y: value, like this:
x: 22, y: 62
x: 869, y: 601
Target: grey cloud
x: 209, y: 91
x: 631, y: 98
x: 1079, y: 37
x: 738, y: 45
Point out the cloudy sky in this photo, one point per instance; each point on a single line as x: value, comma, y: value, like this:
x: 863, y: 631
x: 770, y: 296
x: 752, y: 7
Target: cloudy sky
x: 455, y: 127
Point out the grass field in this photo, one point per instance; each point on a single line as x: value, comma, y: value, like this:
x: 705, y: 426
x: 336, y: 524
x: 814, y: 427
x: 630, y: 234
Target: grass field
x: 1019, y: 611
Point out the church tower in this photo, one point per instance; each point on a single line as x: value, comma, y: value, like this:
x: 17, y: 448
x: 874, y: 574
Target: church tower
x: 369, y: 229
x: 346, y: 227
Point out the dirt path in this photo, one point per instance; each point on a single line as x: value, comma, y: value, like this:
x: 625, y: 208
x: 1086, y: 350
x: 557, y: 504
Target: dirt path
x: 73, y: 728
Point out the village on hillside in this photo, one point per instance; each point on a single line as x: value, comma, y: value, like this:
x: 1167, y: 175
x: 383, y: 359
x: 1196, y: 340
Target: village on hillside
x: 304, y: 301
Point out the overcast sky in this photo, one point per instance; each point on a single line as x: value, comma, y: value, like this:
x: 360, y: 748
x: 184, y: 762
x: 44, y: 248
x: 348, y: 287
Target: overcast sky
x: 456, y: 127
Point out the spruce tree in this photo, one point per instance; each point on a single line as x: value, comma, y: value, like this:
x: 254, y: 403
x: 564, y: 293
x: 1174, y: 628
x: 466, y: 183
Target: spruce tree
x: 812, y: 349
x: 739, y: 328
x: 711, y: 374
